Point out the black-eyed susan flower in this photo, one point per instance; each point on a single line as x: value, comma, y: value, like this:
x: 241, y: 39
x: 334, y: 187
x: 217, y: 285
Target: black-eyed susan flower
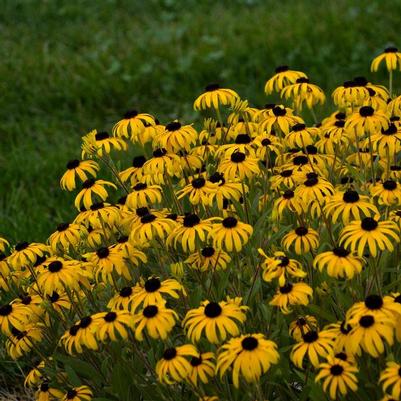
x: 144, y: 195
x: 239, y: 166
x: 174, y: 365
x: 98, y: 215
x: 230, y: 234
x: 215, y: 320
x: 192, y: 231
x: 369, y: 333
x: 34, y: 376
x: 214, y: 97
x: 68, y: 235
x: 113, y: 325
x: 82, y: 393
x: 4, y: 244
x: 202, y: 368
x: 151, y: 226
x: 280, y: 266
x: 228, y: 190
x: 59, y: 301
x: 281, y: 120
x: 301, y: 326
x: 367, y: 121
x: 199, y: 191
x: 151, y: 292
x: 392, y: 58
x: 287, y: 202
x: 283, y: 76
x: 350, y: 94
x: 156, y: 319
x: 375, y: 305
x: 13, y: 316
x: 92, y: 191
x: 266, y: 146
x: 302, y: 239
x: 58, y: 275
x: 208, y: 258
x: 81, y: 169
x: 176, y: 137
x: 338, y: 376
x: 390, y: 378
x: 33, y: 302
x: 314, y: 344
x: 25, y: 253
x: 302, y: 91
x: 132, y: 124
x: 376, y: 235
x: 314, y: 188
x: 162, y: 163
x: 122, y: 300
x: 47, y: 393
x: 135, y: 173
x: 339, y: 263
x: 20, y: 343
x: 301, y: 136
x: 349, y: 205
x: 101, y: 143
x: 243, y: 143
x: 286, y: 178
x: 291, y: 294
x: 387, y: 193
x: 249, y: 356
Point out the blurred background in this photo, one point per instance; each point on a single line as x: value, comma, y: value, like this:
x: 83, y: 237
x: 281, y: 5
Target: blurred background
x: 71, y: 66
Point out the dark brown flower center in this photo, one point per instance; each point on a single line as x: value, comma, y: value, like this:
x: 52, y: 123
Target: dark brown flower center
x: 373, y: 301
x: 55, y: 266
x: 230, y: 222
x: 208, y: 251
x: 213, y: 309
x: 103, y: 252
x: 101, y: 136
x: 310, y: 336
x: 150, y: 311
x: 173, y: 126
x: 350, y: 196
x: 72, y: 164
x: 336, y: 370
x: 152, y: 285
x: 238, y: 157
x: 249, y: 343
x: 191, y: 220
x: 366, y: 111
x: 169, y: 354
x: 369, y: 224
x: 367, y: 321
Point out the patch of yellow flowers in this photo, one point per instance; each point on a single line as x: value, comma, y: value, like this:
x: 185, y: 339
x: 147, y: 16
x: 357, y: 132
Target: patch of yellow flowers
x: 255, y: 257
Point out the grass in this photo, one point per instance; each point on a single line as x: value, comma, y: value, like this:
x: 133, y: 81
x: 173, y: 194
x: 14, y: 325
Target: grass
x: 70, y: 66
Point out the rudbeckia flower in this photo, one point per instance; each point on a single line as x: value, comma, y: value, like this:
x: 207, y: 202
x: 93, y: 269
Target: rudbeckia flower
x: 91, y: 190
x: 314, y: 344
x: 81, y: 169
x: 303, y: 239
x: 100, y: 143
x: 338, y: 376
x: 281, y: 120
x: 314, y: 188
x: 47, y: 393
x: 369, y: 333
x: 114, y: 324
x: 367, y: 121
x: 230, y: 234
x: 34, y: 375
x: 339, y: 262
x: 239, y: 166
x: 132, y: 125
x: 176, y: 137
x: 98, y: 215
x: 390, y: 378
x: 135, y: 173
x: 288, y: 202
x: 199, y: 191
x: 25, y: 253
x: 301, y: 326
x: 208, y: 258
x: 249, y: 356
x: 226, y: 190
x: 214, y: 97
x: 202, y: 368
x: 156, y: 319
x: 279, y: 266
x: 193, y: 230
x: 67, y: 236
x: 302, y: 91
x: 301, y: 136
x: 392, y: 58
x: 21, y: 342
x: 151, y: 292
x: 291, y: 294
x: 174, y: 366
x: 387, y: 192
x: 215, y: 320
x: 151, y: 226
x: 82, y: 393
x: 350, y: 94
x: 143, y: 195
x: 376, y: 235
x: 162, y: 163
x: 13, y: 316
x: 283, y: 76
x: 349, y: 205
x: 267, y: 146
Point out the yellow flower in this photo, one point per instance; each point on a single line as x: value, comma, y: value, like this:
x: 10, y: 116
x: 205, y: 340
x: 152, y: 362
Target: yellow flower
x: 392, y: 58
x: 214, y: 97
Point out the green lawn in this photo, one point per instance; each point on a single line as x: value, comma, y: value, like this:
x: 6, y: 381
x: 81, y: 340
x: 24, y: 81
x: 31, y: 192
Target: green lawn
x: 70, y: 66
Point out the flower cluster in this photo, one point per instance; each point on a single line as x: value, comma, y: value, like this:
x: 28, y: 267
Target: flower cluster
x: 254, y: 258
